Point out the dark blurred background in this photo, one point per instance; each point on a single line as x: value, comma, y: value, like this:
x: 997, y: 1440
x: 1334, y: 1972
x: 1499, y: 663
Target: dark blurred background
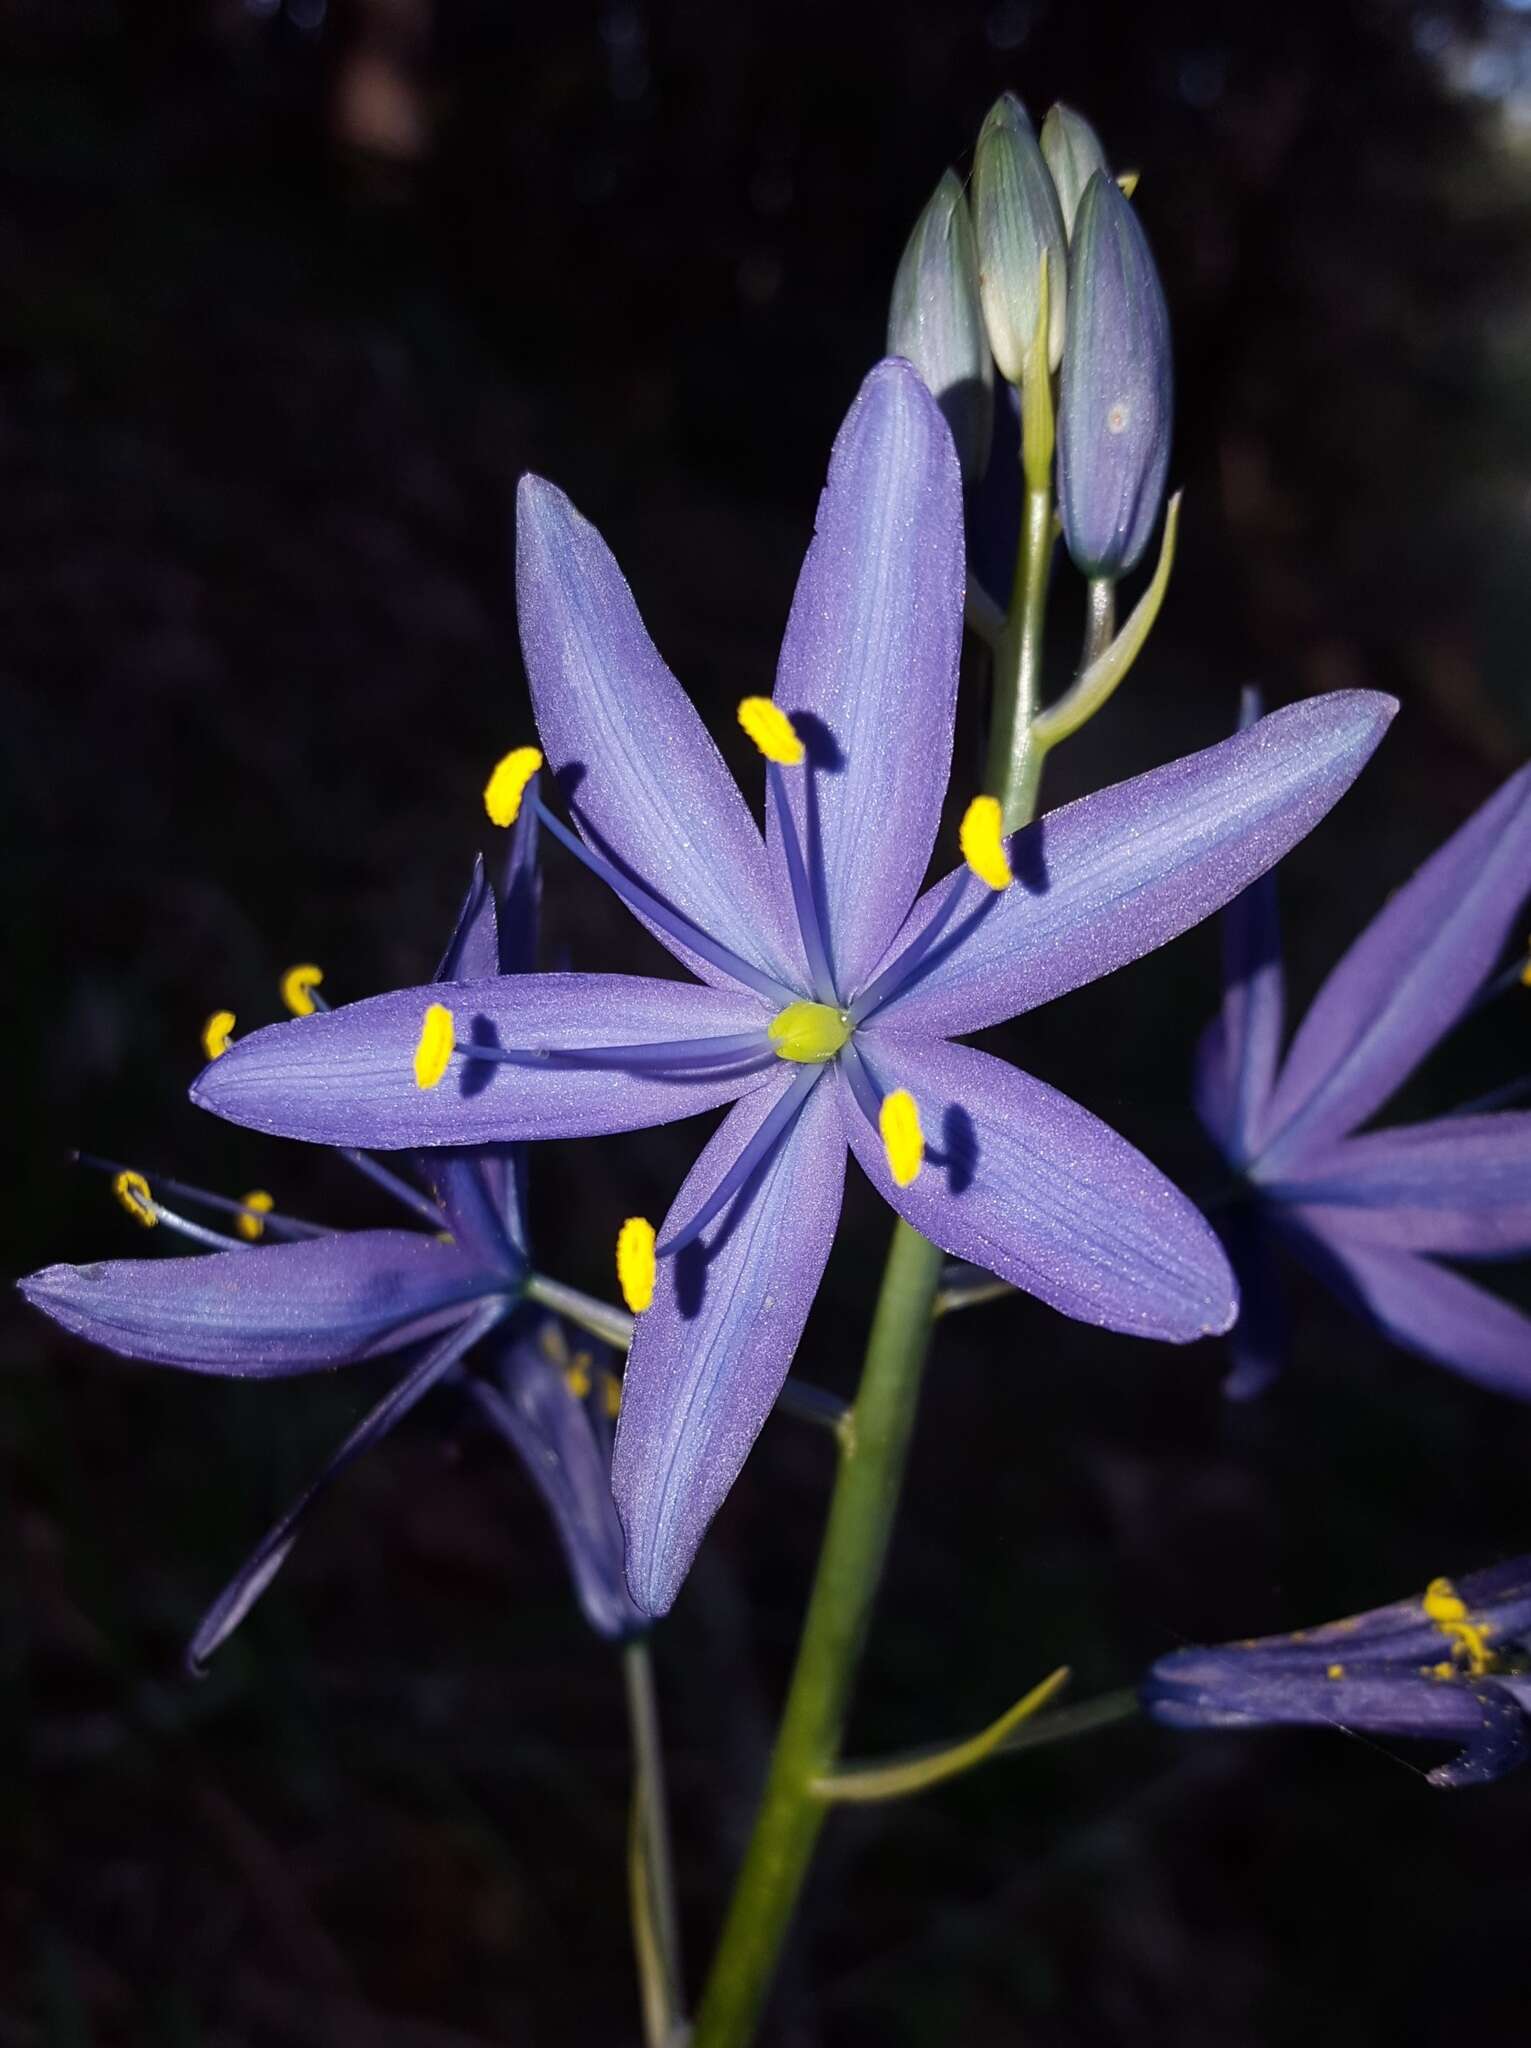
x: 289, y: 295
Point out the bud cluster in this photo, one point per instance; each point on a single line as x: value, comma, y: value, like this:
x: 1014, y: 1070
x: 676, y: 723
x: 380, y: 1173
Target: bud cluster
x: 1048, y: 274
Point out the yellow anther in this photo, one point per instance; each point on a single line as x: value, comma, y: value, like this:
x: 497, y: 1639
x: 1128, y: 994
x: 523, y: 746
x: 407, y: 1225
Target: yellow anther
x: 298, y: 985
x: 772, y: 731
x: 1525, y: 967
x: 983, y: 842
x: 577, y: 1376
x: 611, y: 1395
x: 507, y: 784
x: 902, y: 1139
x: 635, y: 1263
x: 438, y: 1036
x: 132, y: 1190
x: 809, y: 1032
x: 1335, y: 1671
x: 1447, y: 1609
x: 1127, y: 181
x: 217, y: 1034
x: 253, y: 1227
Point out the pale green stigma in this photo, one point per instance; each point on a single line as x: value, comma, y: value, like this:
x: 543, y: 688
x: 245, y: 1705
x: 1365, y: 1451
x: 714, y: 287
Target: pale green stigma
x: 809, y: 1033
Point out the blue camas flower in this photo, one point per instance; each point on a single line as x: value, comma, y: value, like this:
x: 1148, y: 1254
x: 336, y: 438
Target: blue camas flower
x: 452, y: 1292
x: 831, y: 986
x: 1371, y: 1214
x: 1447, y: 1667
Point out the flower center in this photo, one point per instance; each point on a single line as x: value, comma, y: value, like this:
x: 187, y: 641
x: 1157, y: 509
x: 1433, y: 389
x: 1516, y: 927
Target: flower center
x: 809, y: 1033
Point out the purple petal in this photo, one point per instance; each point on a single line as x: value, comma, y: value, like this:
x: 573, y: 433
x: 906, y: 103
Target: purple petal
x: 639, y: 770
x: 1023, y: 1182
x: 557, y: 1439
x: 1424, y: 1307
x: 709, y: 1358
x: 1460, y: 1185
x: 1214, y: 1689
x: 1107, y: 879
x: 1254, y: 1006
x: 868, y: 666
x: 1259, y: 1343
x: 275, y: 1547
x: 267, y: 1312
x: 473, y: 951
x: 346, y: 1077
x: 1407, y: 979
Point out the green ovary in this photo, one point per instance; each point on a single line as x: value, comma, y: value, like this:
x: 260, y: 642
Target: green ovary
x: 809, y: 1033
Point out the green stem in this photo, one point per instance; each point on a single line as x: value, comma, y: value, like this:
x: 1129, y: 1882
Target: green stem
x: 874, y: 1441
x: 1014, y: 765
x: 861, y: 1512
x: 651, y: 1870
x: 1100, y: 620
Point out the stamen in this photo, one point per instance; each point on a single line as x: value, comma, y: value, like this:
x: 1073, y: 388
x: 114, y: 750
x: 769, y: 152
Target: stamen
x: 577, y: 1375
x: 1335, y: 1671
x: 276, y: 1219
x: 507, y: 785
x: 132, y: 1190
x: 252, y: 1226
x: 898, y: 1122
x: 758, y: 1149
x: 217, y: 1034
x: 922, y: 953
x: 298, y: 985
x: 660, y: 1054
x: 804, y: 901
x: 772, y: 731
x: 1447, y: 1609
x: 647, y: 905
x: 411, y: 1197
x: 635, y: 1263
x: 982, y: 840
x: 435, y: 1047
x: 611, y: 1395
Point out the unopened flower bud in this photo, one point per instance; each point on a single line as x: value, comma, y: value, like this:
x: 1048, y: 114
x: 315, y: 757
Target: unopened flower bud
x: 1018, y: 223
x: 937, y: 323
x: 1073, y: 154
x: 1115, y: 402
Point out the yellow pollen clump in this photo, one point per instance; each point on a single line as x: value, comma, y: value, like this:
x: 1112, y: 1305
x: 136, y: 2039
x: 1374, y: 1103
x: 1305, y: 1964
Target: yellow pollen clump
x: 438, y: 1036
x: 577, y: 1375
x: 898, y: 1121
x: 1335, y: 1671
x: 298, y: 985
x: 772, y: 731
x: 1525, y: 969
x: 253, y: 1227
x: 507, y: 784
x: 132, y: 1190
x: 983, y: 842
x: 217, y: 1034
x: 809, y: 1033
x: 1446, y: 1608
x: 635, y: 1263
x: 611, y: 1395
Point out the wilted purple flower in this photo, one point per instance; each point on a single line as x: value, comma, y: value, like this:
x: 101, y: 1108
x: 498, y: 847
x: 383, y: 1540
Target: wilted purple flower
x: 1449, y: 1666
x: 322, y: 1299
x: 831, y: 990
x: 1115, y: 400
x: 1370, y: 1213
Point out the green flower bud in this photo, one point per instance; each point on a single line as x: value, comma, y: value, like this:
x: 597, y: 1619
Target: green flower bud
x: 1072, y: 152
x: 1018, y: 222
x: 937, y: 323
x: 1115, y: 400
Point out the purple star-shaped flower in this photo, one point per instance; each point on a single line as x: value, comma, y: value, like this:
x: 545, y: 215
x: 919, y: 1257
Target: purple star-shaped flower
x: 1447, y: 1667
x: 330, y: 1298
x: 831, y: 986
x: 1369, y: 1213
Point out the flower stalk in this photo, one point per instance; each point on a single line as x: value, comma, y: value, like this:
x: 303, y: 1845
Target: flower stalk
x: 651, y: 1870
